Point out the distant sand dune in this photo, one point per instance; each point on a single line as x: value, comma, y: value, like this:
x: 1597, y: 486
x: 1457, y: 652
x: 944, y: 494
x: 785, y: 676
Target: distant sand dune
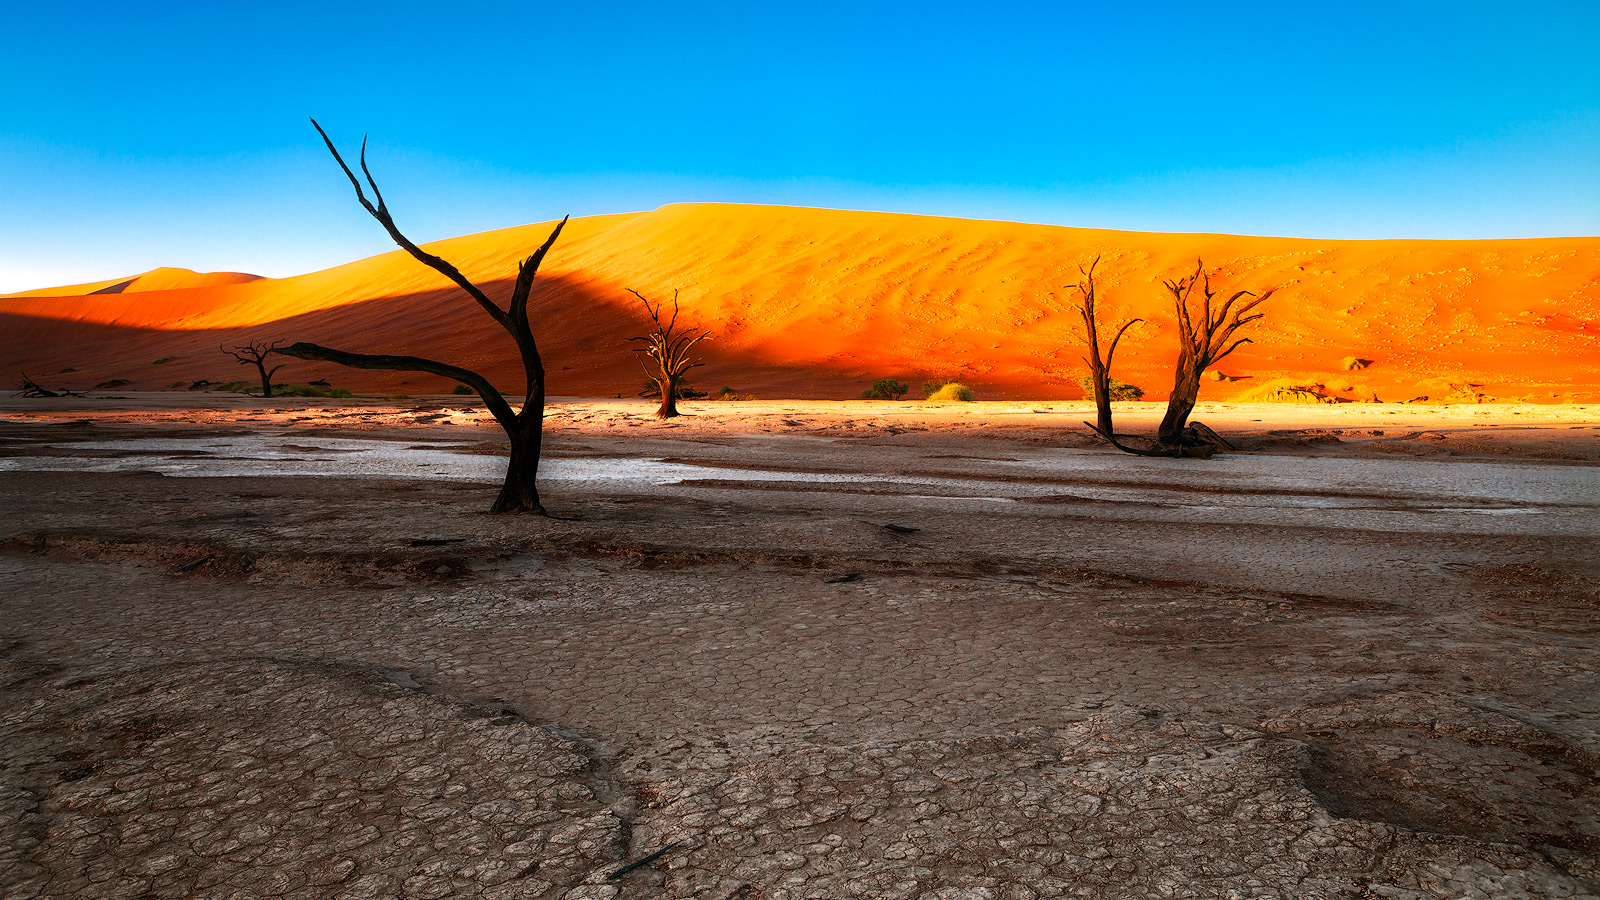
x: 818, y: 303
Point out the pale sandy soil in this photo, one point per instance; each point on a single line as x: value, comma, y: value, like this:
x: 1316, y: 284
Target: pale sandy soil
x: 1343, y: 664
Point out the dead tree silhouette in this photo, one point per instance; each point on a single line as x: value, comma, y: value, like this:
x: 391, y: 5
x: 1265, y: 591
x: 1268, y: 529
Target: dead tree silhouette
x: 255, y: 354
x: 1201, y: 345
x: 1099, y: 369
x: 669, y: 351
x: 27, y: 387
x: 524, y: 428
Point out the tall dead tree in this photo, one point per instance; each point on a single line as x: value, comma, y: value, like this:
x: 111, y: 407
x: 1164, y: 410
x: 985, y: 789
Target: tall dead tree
x: 1099, y: 369
x: 1202, y: 343
x: 524, y: 428
x: 668, y: 350
x: 255, y: 354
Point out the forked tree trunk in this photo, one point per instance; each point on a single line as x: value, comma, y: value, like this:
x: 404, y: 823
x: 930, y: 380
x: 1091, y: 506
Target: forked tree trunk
x: 266, y: 379
x: 520, y: 491
x: 1185, y: 392
x: 1101, y: 381
x: 669, y: 399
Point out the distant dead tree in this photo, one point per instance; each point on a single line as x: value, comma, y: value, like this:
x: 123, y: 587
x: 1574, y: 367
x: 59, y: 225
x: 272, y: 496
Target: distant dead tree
x: 255, y: 354
x: 1202, y: 343
x: 28, y: 387
x: 1099, y: 369
x: 668, y: 350
x: 524, y: 428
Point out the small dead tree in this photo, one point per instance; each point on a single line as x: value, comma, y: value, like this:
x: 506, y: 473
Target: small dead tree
x: 524, y: 428
x: 27, y: 387
x: 1099, y: 369
x: 255, y: 354
x: 668, y: 350
x: 1202, y: 343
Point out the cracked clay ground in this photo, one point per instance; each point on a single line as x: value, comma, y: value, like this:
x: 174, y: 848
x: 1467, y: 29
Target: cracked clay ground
x: 1040, y: 683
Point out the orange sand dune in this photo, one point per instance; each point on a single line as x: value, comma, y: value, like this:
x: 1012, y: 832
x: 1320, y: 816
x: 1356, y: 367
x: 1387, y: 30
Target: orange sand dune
x: 162, y: 279
x: 818, y: 303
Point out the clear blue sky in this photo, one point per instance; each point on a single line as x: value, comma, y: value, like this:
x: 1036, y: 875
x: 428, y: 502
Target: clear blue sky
x: 135, y: 135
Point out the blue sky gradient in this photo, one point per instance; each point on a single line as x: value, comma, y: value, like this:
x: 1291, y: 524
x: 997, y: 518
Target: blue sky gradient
x: 177, y: 134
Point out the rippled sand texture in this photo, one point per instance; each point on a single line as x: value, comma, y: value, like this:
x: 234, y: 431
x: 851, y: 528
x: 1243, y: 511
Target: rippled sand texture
x: 819, y: 303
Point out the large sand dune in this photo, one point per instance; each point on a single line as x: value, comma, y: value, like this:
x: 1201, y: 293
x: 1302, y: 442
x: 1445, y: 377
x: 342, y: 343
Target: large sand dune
x: 818, y: 303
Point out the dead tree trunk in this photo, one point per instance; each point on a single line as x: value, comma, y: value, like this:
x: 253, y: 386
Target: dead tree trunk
x: 1099, y: 369
x: 524, y: 428
x: 1201, y: 344
x: 669, y: 353
x: 255, y: 354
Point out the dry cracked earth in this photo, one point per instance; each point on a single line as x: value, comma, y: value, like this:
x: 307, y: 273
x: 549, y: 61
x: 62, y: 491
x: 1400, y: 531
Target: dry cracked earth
x: 367, y: 688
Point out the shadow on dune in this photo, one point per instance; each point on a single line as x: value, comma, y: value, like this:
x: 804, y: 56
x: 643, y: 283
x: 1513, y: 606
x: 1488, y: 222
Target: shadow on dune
x: 582, y: 331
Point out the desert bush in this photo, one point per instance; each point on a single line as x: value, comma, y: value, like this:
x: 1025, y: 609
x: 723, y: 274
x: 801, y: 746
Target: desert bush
x: 461, y: 389
x: 176, y: 384
x: 341, y: 393
x: 951, y: 390
x: 652, y: 389
x: 238, y: 387
x: 1120, y: 390
x: 885, y: 389
x: 113, y: 383
x: 164, y: 359
x: 728, y: 393
x: 304, y: 390
x: 932, y: 385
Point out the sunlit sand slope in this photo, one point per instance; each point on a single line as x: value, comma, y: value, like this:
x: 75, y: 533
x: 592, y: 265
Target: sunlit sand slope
x: 810, y: 302
x: 162, y: 279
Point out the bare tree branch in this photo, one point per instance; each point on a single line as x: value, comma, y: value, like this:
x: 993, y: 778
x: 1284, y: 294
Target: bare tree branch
x: 381, y: 213
x: 497, y: 405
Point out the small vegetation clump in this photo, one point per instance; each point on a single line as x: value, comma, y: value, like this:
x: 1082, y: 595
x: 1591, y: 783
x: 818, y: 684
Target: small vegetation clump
x: 1118, y: 390
x: 461, y: 389
x: 164, y: 359
x: 652, y: 390
x: 951, y: 391
x: 728, y: 393
x: 113, y: 383
x: 66, y: 370
x: 885, y: 389
x: 309, y: 390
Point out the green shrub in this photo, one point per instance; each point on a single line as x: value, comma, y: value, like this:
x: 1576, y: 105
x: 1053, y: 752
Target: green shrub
x: 951, y: 390
x: 164, y: 359
x: 113, y: 383
x: 652, y: 389
x: 341, y: 393
x: 932, y: 385
x: 462, y: 389
x: 1119, y: 390
x: 885, y: 389
x: 299, y: 390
